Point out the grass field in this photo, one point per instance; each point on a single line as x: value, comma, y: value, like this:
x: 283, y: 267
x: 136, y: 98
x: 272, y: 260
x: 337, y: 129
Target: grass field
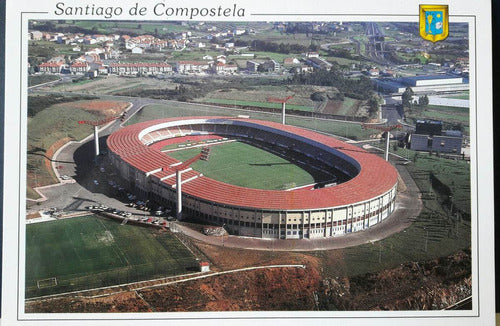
x: 453, y: 173
x: 244, y: 165
x: 111, y: 85
x: 447, y: 114
x: 460, y: 96
x: 179, y: 109
x: 53, y: 124
x: 432, y: 234
x: 40, y: 79
x: 258, y: 104
x: 88, y: 252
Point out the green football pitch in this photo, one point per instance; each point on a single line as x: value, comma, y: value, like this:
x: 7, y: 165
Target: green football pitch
x: 89, y: 252
x: 244, y: 165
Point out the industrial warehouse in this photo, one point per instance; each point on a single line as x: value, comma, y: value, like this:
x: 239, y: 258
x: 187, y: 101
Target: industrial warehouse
x: 364, y: 196
x: 423, y: 84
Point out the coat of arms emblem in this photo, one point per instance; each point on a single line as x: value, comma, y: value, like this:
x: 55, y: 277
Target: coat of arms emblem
x: 434, y: 22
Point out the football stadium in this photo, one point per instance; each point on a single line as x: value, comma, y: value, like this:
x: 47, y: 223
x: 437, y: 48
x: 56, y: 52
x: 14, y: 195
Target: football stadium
x: 255, y: 178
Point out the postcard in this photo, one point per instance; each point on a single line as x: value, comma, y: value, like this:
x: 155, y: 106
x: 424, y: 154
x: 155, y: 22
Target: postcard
x: 245, y: 161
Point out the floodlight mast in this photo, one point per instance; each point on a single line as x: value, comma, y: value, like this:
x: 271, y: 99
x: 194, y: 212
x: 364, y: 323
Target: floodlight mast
x: 387, y: 130
x: 179, y: 169
x: 283, y: 102
x: 96, y: 124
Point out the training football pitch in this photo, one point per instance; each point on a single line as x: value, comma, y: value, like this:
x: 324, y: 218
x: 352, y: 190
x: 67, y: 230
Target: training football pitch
x: 245, y: 165
x: 88, y: 252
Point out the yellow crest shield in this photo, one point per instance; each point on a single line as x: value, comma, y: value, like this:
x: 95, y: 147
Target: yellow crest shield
x: 434, y: 22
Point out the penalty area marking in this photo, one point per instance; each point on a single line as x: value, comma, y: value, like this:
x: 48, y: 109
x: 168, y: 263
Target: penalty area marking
x: 46, y: 282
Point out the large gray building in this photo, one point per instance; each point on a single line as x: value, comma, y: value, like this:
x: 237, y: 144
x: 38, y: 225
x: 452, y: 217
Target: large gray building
x: 429, y: 137
x: 422, y: 84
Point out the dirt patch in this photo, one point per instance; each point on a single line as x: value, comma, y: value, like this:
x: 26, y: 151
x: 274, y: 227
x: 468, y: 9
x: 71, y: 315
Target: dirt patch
x: 332, y: 107
x: 33, y: 215
x: 106, y: 108
x: 122, y: 302
x: 269, y: 289
x: 429, y: 285
x: 224, y: 258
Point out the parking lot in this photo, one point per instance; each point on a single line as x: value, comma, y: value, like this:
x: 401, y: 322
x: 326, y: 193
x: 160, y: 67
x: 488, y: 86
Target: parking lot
x: 96, y: 188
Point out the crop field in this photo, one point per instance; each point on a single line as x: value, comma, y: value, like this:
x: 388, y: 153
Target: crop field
x: 88, y: 252
x: 244, y: 165
x: 258, y: 104
x: 301, y: 95
x: 179, y: 109
x: 111, y: 85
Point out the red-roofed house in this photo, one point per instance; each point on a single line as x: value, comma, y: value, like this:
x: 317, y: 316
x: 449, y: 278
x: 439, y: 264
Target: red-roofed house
x: 291, y: 61
x: 51, y: 67
x: 221, y: 68
x: 79, y: 67
x: 204, y: 266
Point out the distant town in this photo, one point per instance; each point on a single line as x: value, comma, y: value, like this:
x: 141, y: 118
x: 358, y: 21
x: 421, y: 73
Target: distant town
x: 204, y: 49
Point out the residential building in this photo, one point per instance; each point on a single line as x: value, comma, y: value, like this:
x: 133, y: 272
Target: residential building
x: 191, y: 66
x: 79, y: 67
x: 319, y: 63
x: 51, y: 67
x: 139, y: 68
x: 252, y: 65
x: 222, y: 68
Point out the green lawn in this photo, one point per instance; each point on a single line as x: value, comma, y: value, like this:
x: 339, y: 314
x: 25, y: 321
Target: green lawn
x: 47, y: 127
x: 89, y: 252
x: 258, y: 104
x: 432, y: 234
x: 449, y: 114
x: 460, y: 96
x: 244, y: 165
x: 279, y: 57
x: 453, y: 173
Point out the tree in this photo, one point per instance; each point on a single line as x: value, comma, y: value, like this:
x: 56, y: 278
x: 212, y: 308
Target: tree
x: 318, y: 96
x: 423, y: 100
x: 406, y: 97
x: 373, y: 105
x: 459, y: 126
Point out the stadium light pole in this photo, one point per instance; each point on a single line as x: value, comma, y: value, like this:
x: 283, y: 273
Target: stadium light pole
x: 283, y: 105
x: 178, y: 177
x: 96, y: 124
x: 387, y: 130
x: 179, y: 169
